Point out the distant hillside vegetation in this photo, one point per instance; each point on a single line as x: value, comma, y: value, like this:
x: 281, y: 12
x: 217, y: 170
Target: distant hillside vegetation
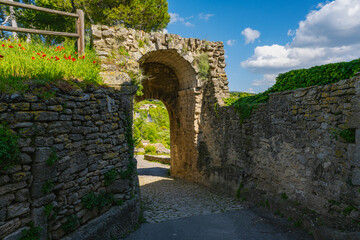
x: 151, y: 122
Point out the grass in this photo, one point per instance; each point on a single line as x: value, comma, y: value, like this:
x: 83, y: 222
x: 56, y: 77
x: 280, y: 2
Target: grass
x: 23, y: 63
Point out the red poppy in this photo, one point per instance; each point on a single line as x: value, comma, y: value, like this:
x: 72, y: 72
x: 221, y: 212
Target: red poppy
x: 69, y: 57
x: 38, y: 54
x: 44, y: 55
x: 94, y: 61
x: 1, y: 56
x: 11, y: 47
x: 73, y: 59
x: 19, y: 45
x: 33, y: 58
x: 3, y: 45
x: 22, y: 48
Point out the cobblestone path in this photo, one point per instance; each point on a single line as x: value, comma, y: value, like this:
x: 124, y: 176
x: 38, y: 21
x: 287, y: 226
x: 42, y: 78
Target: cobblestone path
x: 164, y: 198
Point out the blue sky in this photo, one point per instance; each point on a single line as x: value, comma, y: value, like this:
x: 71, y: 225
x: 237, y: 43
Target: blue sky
x: 263, y: 38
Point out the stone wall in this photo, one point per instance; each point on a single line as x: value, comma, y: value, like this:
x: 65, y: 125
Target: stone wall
x: 68, y: 144
x: 290, y: 148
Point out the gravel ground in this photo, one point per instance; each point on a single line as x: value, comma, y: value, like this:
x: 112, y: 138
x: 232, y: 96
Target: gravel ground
x: 164, y: 198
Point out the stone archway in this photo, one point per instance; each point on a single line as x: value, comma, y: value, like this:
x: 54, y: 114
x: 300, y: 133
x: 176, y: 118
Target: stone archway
x: 172, y: 65
x: 171, y: 79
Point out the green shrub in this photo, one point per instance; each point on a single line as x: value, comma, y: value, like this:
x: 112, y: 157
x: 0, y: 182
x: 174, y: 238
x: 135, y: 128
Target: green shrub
x: 122, y: 51
x: 128, y: 173
x: 48, y: 209
x: 53, y: 158
x: 110, y: 177
x: 204, y: 66
x: 99, y: 200
x: 302, y: 78
x: 284, y: 196
x: 149, y: 149
x: 33, y: 233
x: 48, y: 186
x: 348, y: 135
x: 72, y: 222
x: 9, y: 149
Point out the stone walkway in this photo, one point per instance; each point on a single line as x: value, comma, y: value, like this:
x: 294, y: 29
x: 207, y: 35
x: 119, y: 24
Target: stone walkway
x: 164, y: 198
x: 177, y: 210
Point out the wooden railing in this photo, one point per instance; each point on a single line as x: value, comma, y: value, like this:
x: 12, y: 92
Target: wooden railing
x: 80, y: 25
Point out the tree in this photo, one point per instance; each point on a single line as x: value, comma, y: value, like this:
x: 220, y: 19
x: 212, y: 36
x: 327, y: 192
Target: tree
x: 147, y: 15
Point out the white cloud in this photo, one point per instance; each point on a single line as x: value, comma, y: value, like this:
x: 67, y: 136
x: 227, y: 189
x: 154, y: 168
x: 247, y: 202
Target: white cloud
x: 230, y: 42
x: 329, y: 34
x: 268, y: 80
x: 175, y: 17
x: 250, y: 90
x: 291, y: 32
x: 205, y: 17
x: 250, y: 35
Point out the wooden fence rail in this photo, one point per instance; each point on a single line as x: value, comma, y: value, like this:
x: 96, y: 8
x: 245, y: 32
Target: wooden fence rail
x: 80, y: 23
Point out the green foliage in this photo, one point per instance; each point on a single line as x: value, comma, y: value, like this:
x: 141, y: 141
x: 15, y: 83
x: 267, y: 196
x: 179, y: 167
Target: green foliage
x: 298, y: 224
x: 9, y: 149
x: 302, y: 78
x: 204, y: 66
x: 157, y: 131
x: 48, y: 186
x: 130, y: 170
x: 348, y: 135
x: 334, y: 202
x: 349, y: 209
x: 92, y: 200
x: 136, y: 79
x: 141, y: 43
x: 33, y: 63
x: 33, y: 233
x: 139, y: 14
x: 234, y: 96
x: 53, y: 158
x: 122, y: 51
x: 238, y: 191
x: 110, y: 176
x: 72, y: 222
x: 284, y: 196
x: 119, y: 202
x: 48, y: 209
x: 150, y: 149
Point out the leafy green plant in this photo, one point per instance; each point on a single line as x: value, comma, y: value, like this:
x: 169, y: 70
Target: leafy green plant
x: 238, y: 191
x: 123, y: 52
x: 349, y: 209
x: 334, y: 202
x: 284, y: 196
x: 53, y: 158
x: 33, y: 233
x: 9, y: 148
x: 48, y: 209
x: 48, y: 186
x: 141, y: 43
x: 128, y: 173
x: 92, y: 200
x: 348, y: 135
x: 72, y: 222
x: 149, y: 149
x: 298, y: 223
x: 204, y: 66
x: 110, y: 176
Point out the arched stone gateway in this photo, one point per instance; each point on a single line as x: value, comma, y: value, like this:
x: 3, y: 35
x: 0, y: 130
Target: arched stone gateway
x: 175, y: 70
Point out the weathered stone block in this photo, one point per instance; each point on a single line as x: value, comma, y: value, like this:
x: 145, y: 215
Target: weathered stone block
x: 16, y: 235
x: 42, y: 154
x: 118, y: 186
x: 12, y: 187
x: 43, y: 172
x: 46, y: 116
x: 9, y: 227
x: 356, y: 177
x: 18, y: 209
x: 5, y: 200
x: 60, y: 127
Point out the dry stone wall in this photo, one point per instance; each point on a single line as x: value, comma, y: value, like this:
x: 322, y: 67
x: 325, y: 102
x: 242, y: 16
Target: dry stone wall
x: 290, y: 148
x: 74, y: 147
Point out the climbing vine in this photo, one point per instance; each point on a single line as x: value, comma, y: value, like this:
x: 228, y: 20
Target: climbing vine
x: 9, y: 149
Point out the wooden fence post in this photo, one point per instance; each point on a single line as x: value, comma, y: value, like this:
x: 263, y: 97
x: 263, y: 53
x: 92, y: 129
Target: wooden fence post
x: 80, y: 29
